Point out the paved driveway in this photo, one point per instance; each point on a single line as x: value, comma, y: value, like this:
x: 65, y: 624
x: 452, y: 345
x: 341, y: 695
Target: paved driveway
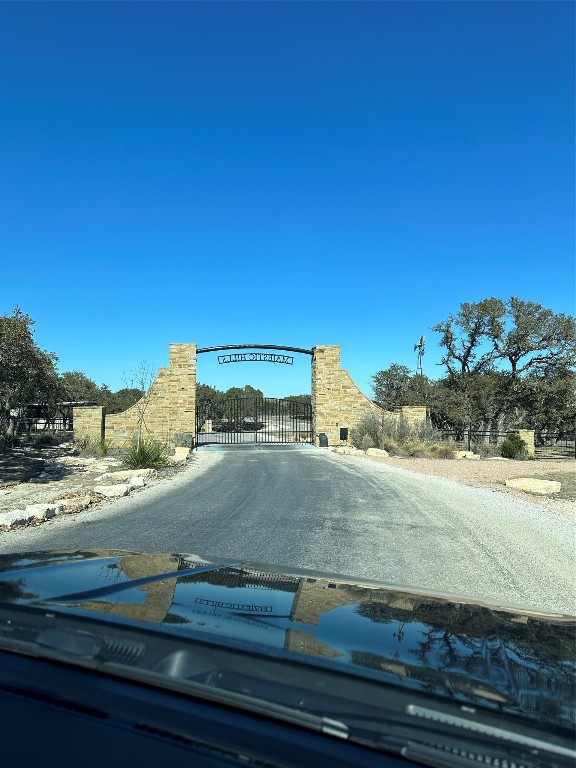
x: 310, y: 508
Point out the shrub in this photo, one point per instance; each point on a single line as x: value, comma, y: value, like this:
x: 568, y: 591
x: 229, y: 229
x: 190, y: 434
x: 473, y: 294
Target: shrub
x: 146, y: 455
x: 390, y: 445
x: 86, y: 446
x: 396, y: 435
x: 414, y: 449
x: 366, y: 442
x: 486, y: 449
x: 183, y: 440
x: 513, y: 448
x: 103, y: 447
x: 43, y: 439
x: 443, y: 450
x: 368, y: 425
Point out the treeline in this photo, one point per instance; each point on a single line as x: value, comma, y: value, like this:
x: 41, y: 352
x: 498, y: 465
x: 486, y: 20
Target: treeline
x: 507, y: 365
x: 30, y: 385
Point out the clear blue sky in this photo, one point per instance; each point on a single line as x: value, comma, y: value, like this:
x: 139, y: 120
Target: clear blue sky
x: 280, y: 172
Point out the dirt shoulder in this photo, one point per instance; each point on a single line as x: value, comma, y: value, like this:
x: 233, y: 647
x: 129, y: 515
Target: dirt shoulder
x: 492, y: 474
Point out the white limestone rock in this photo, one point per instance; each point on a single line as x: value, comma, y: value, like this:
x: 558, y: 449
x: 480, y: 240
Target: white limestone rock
x: 42, y: 511
x: 180, y: 455
x: 112, y: 491
x: 126, y: 474
x: 465, y: 455
x: 535, y: 485
x: 74, y: 504
x: 13, y: 519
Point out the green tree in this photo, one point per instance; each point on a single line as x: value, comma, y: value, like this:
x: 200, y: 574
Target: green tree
x: 27, y: 373
x: 498, y: 352
x: 123, y: 399
x: 547, y: 403
x: 210, y: 401
x: 396, y: 386
x: 471, y: 337
x: 247, y: 391
x: 77, y: 387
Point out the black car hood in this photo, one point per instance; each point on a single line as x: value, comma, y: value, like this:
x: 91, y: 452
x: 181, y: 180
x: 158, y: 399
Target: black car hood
x: 500, y: 657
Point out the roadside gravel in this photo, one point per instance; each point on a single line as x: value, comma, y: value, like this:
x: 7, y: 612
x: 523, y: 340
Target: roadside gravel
x: 491, y: 474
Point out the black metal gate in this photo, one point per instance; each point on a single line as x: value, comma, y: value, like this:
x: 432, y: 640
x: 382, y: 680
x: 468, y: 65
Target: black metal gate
x: 253, y: 420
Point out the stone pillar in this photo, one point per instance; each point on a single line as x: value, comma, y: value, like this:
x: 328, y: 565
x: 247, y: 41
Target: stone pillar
x: 326, y: 393
x: 88, y: 423
x: 182, y: 389
x: 336, y: 400
x: 528, y: 436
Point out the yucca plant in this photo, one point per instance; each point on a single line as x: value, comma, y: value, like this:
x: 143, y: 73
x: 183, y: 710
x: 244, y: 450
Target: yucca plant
x: 145, y: 455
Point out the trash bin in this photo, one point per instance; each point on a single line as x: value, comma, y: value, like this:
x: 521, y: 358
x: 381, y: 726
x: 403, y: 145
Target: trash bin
x: 323, y: 440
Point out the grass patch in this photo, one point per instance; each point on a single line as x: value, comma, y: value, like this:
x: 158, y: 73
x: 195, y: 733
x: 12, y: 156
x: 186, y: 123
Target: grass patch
x: 568, y: 480
x: 86, y: 446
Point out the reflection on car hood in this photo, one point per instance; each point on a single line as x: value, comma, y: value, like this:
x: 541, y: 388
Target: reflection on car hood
x: 503, y: 658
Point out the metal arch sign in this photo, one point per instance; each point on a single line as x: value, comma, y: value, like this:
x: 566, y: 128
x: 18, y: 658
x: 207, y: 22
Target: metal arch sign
x: 256, y: 357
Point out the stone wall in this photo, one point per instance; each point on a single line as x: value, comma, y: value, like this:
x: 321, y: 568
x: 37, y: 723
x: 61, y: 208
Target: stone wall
x: 336, y: 400
x: 167, y: 409
x: 412, y: 413
x: 88, y: 423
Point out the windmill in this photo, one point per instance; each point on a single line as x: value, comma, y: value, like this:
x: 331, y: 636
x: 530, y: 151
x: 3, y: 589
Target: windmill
x: 420, y: 347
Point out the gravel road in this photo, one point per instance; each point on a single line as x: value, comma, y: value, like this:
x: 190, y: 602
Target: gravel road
x: 343, y: 514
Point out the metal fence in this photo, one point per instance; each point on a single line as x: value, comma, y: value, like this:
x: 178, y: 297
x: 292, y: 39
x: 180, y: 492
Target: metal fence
x: 471, y: 439
x: 546, y: 447
x: 27, y: 426
x: 556, y: 447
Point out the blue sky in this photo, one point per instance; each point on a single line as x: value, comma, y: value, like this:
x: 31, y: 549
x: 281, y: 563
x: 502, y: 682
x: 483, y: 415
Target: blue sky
x: 280, y: 172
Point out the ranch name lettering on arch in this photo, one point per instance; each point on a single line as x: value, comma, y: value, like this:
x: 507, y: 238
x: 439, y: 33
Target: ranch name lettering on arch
x: 255, y: 357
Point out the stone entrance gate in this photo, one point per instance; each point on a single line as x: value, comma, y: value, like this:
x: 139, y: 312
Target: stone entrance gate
x: 167, y: 412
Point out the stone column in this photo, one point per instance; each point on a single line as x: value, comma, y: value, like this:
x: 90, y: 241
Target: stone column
x: 326, y: 392
x: 182, y: 389
x: 88, y: 423
x: 168, y: 408
x: 528, y: 436
x: 414, y: 413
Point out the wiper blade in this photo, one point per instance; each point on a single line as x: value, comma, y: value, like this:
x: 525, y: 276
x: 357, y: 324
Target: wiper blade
x: 93, y: 594
x: 477, y: 727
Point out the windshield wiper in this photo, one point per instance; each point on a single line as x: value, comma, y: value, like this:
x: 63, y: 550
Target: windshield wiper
x: 94, y: 594
x: 478, y: 728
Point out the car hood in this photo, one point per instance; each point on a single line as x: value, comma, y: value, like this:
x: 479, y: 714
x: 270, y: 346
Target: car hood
x: 500, y: 657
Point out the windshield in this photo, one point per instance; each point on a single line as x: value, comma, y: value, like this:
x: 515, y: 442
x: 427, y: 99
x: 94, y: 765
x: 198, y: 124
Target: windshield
x: 288, y: 349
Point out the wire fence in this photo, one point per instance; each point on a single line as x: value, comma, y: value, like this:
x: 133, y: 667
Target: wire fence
x: 488, y: 442
x: 28, y: 426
